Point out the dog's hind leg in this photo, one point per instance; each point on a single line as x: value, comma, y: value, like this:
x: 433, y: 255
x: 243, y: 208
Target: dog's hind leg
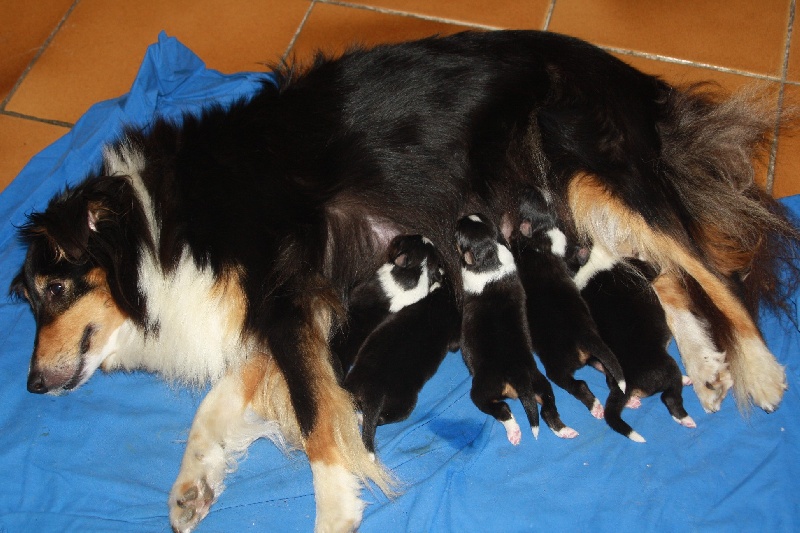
x: 705, y: 364
x: 543, y: 393
x: 222, y: 430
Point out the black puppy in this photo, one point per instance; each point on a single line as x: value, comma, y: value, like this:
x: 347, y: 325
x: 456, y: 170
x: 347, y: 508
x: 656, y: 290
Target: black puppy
x: 397, y: 283
x: 495, y: 340
x: 633, y: 324
x: 562, y: 330
x: 406, y: 348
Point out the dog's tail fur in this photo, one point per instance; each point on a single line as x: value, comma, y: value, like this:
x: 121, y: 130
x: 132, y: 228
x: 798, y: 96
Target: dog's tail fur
x: 709, y: 145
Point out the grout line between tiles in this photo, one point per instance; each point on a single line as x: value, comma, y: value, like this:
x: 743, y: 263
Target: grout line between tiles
x: 36, y: 119
x: 773, y: 153
x: 33, y: 61
x: 386, y: 11
x: 300, y: 27
x: 549, y: 15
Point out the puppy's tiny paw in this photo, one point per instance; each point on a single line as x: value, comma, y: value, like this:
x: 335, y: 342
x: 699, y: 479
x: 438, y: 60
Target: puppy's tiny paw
x: 189, y: 503
x: 597, y: 410
x: 686, y: 380
x: 634, y: 402
x: 686, y: 421
x: 566, y: 433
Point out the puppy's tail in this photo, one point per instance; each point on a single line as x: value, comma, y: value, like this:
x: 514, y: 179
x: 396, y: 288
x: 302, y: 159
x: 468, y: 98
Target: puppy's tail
x: 613, y: 415
x: 709, y: 145
x: 595, y: 346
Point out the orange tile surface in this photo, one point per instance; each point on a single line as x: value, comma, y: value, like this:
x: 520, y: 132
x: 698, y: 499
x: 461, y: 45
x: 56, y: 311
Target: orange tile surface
x: 332, y: 29
x: 95, y: 54
x: 787, y: 163
x: 508, y: 14
x: 739, y: 34
x: 20, y: 140
x: 25, y: 28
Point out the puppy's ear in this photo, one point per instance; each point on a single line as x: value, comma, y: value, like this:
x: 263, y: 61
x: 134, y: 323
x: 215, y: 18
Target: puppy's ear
x: 469, y: 258
x: 401, y: 260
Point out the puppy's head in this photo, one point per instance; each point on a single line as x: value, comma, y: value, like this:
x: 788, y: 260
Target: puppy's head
x: 539, y: 226
x: 410, y: 257
x: 68, y: 292
x: 477, y: 240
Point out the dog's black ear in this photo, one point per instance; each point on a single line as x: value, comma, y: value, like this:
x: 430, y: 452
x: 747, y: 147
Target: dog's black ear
x: 17, y: 289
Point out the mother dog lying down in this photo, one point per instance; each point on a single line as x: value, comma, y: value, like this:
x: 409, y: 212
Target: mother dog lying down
x: 224, y: 248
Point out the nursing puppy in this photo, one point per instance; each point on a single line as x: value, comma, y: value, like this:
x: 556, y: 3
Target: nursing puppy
x: 403, y: 352
x: 398, y: 282
x: 495, y: 341
x: 563, y: 334
x: 633, y: 323
x: 223, y: 249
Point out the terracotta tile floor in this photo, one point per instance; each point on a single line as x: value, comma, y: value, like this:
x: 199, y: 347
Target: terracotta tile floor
x: 57, y: 57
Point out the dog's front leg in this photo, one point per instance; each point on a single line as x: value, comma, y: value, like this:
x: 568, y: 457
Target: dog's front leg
x: 219, y: 432
x: 705, y: 364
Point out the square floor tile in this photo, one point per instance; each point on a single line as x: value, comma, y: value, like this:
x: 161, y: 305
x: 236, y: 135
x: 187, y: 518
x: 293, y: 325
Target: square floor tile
x: 787, y: 162
x: 738, y: 34
x: 21, y: 139
x: 512, y: 14
x: 333, y: 29
x: 97, y: 53
x: 26, y: 26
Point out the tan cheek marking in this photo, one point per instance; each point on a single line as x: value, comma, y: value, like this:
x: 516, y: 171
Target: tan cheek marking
x: 59, y: 341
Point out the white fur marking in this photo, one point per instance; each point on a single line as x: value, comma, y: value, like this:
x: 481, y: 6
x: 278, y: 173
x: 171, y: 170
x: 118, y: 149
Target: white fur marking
x: 535, y: 431
x: 513, y: 433
x: 597, y: 410
x: 566, y: 433
x: 400, y: 297
x: 475, y: 218
x: 558, y: 242
x: 599, y: 260
x: 475, y: 282
x: 635, y: 437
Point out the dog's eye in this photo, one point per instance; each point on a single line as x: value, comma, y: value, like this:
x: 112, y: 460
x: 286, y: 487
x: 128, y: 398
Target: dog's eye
x: 55, y: 289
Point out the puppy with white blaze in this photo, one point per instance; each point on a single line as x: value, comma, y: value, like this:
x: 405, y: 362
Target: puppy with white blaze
x: 224, y: 247
x: 563, y: 333
x: 495, y: 340
x: 404, y: 351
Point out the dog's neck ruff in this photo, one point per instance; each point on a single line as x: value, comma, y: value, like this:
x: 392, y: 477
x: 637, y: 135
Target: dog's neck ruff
x: 475, y: 282
x: 398, y: 296
x: 558, y: 242
x: 599, y: 260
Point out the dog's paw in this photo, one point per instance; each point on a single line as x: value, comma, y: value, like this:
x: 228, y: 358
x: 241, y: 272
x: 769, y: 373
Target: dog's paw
x: 759, y: 376
x: 687, y: 421
x: 566, y: 433
x: 711, y: 389
x: 189, y: 503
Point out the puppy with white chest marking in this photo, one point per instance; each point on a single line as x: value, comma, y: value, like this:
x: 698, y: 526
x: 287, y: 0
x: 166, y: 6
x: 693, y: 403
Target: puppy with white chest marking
x: 495, y: 340
x: 397, y: 283
x: 632, y: 322
x: 563, y: 334
x: 407, y: 347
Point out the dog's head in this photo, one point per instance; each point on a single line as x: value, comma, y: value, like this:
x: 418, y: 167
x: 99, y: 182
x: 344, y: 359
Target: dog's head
x: 65, y: 279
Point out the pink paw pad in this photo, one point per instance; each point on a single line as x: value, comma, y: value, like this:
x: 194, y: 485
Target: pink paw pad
x: 566, y: 433
x: 597, y: 410
x: 513, y: 433
x: 687, y: 422
x: 633, y: 402
x: 686, y: 380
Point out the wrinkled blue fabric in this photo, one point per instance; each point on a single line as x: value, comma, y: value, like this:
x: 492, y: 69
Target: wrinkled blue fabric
x: 104, y: 457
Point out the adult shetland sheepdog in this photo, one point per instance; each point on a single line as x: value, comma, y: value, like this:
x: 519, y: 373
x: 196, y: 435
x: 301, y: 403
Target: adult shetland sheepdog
x: 224, y: 248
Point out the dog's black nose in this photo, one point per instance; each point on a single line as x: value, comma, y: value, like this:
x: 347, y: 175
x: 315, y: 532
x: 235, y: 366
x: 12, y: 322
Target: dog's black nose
x: 36, y: 383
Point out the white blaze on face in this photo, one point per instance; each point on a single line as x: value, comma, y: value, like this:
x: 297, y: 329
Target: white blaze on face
x: 400, y: 297
x: 558, y: 242
x: 475, y: 282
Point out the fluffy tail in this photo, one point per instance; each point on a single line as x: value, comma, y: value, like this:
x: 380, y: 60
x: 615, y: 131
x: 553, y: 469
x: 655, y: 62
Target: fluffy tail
x: 709, y: 146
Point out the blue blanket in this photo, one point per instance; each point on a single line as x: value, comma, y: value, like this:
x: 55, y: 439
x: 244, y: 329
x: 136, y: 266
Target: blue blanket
x: 104, y: 457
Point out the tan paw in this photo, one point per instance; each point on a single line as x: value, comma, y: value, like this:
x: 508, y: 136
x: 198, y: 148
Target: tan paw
x: 189, y: 503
